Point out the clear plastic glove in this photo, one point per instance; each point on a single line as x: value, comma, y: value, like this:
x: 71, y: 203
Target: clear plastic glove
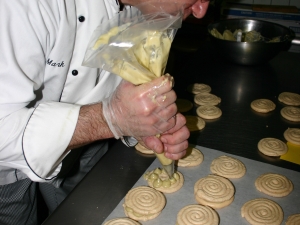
x: 173, y: 142
x: 144, y: 110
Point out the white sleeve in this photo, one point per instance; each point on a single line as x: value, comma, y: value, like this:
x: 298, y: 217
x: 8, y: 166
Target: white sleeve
x: 34, y: 140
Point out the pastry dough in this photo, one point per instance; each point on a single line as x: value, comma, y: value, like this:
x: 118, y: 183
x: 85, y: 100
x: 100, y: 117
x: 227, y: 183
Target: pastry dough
x: 228, y: 167
x: 272, y: 147
x: 193, y: 157
x: 262, y: 211
x: 183, y: 105
x: 143, y: 203
x: 273, y: 184
x: 194, y: 123
x: 197, y: 215
x: 263, y: 105
x: 291, y: 113
x: 207, y: 99
x: 122, y: 221
x: 160, y: 180
x: 208, y: 112
x: 292, y: 135
x: 214, y: 191
x: 143, y: 149
x: 198, y: 88
x: 289, y: 98
x: 293, y: 220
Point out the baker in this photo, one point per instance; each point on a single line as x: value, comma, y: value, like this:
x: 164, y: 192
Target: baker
x: 54, y: 123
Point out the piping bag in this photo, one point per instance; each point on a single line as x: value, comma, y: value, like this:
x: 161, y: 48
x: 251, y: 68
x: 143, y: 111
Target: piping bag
x: 135, y: 45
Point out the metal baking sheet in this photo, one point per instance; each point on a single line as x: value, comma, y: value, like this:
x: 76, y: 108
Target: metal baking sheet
x: 244, y: 190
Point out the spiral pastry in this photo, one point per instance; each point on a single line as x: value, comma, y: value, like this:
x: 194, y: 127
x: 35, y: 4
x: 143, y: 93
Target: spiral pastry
x: 183, y: 105
x: 227, y: 166
x: 209, y: 112
x: 291, y: 113
x: 262, y: 211
x: 272, y: 147
x: 197, y: 215
x: 199, y: 88
x: 273, y: 184
x: 206, y: 99
x: 194, y: 123
x: 161, y: 181
x: 292, y: 135
x: 143, y: 149
x: 214, y: 191
x: 143, y: 203
x: 122, y: 221
x: 193, y: 157
x: 293, y: 220
x: 263, y: 105
x: 289, y: 98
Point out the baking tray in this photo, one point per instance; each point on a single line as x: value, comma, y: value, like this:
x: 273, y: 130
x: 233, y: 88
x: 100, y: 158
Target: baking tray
x: 245, y: 190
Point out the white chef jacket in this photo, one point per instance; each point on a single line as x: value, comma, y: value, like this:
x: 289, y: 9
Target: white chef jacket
x: 42, y: 46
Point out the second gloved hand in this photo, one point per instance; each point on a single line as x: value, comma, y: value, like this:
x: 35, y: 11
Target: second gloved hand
x: 143, y: 110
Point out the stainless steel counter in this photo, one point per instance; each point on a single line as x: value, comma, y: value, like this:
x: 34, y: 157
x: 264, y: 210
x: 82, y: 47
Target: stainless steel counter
x: 236, y: 132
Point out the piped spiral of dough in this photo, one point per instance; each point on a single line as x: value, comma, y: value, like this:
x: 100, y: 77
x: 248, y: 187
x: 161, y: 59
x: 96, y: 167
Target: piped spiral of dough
x: 291, y: 113
x: 289, y: 98
x: 143, y: 149
x: 122, y: 221
x: 143, y: 203
x: 263, y: 105
x: 262, y: 211
x: 292, y: 135
x: 206, y: 99
x: 161, y: 181
x: 293, y: 220
x: 272, y: 147
x: 199, y: 88
x: 194, y: 123
x: 183, y: 105
x: 214, y: 191
x: 209, y: 112
x: 193, y: 157
x: 197, y: 215
x: 227, y: 166
x: 273, y: 184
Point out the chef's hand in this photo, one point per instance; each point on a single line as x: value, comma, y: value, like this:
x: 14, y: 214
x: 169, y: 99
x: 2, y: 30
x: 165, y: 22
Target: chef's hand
x: 144, y: 110
x: 172, y: 142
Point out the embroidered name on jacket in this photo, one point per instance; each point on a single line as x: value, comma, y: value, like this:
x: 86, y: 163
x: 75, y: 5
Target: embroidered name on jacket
x: 55, y: 64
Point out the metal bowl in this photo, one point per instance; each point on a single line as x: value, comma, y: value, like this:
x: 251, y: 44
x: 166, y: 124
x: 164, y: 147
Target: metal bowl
x: 250, y: 53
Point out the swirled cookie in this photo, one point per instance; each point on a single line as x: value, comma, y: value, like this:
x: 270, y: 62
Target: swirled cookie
x: 262, y: 211
x: 160, y: 180
x: 206, y: 99
x: 122, y: 221
x: 143, y: 203
x: 199, y: 88
x: 293, y: 220
x: 262, y: 105
x: 291, y: 113
x: 193, y: 157
x: 272, y: 147
x: 273, y: 184
x: 214, y: 191
x: 208, y: 112
x: 197, y: 215
x: 194, y: 123
x: 143, y: 149
x: 292, y: 135
x: 183, y: 105
x: 228, y: 167
x: 289, y: 98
